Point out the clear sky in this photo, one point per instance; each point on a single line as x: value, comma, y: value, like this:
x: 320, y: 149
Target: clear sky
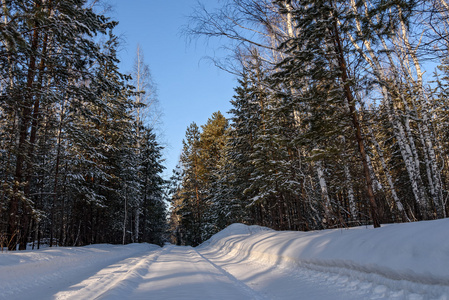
x: 190, y: 88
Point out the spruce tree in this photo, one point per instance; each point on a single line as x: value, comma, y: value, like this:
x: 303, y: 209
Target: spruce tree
x: 229, y: 198
x: 318, y: 57
x: 212, y: 142
x: 192, y: 193
x: 153, y: 226
x: 54, y: 52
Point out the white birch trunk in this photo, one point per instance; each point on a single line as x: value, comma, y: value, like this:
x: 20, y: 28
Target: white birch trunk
x: 317, y: 217
x: 352, y: 205
x: 407, y: 155
x: 324, y: 190
x: 386, y: 170
x: 377, y: 186
x: 408, y: 149
x: 422, y: 110
x: 399, y: 132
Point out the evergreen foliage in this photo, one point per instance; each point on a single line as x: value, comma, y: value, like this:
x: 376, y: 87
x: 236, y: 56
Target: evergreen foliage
x: 193, y: 208
x: 73, y: 169
x: 333, y: 123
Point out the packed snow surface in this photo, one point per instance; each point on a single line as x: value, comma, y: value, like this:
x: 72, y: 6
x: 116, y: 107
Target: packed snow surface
x: 397, y: 261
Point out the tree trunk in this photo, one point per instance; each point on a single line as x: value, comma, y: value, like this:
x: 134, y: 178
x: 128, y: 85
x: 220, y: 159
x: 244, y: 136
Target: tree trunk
x: 324, y: 192
x: 125, y: 217
x: 433, y: 173
x: 355, y: 121
x: 19, y: 221
x: 352, y: 204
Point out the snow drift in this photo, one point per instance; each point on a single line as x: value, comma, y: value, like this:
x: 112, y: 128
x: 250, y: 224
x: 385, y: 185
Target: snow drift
x: 416, y: 252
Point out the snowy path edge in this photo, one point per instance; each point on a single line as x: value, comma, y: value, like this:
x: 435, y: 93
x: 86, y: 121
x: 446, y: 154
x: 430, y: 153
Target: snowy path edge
x: 417, y: 252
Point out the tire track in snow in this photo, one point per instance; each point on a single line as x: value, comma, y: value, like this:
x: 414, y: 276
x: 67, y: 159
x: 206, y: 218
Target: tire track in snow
x: 277, y: 282
x: 124, y: 275
x: 240, y: 284
x: 51, y: 270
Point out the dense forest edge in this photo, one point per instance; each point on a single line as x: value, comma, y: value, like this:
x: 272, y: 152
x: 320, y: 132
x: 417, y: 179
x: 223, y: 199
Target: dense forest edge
x: 79, y: 163
x: 339, y: 119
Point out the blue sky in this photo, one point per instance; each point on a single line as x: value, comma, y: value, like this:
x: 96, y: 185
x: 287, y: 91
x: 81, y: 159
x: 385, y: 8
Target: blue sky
x: 190, y: 88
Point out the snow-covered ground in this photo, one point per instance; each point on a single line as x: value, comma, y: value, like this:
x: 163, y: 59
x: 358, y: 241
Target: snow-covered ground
x: 398, y: 261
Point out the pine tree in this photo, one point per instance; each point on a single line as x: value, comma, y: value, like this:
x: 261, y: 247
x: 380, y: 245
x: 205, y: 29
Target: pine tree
x: 53, y: 51
x: 194, y: 215
x: 70, y: 154
x: 212, y: 142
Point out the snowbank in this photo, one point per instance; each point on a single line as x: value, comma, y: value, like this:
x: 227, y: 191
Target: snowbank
x: 236, y: 229
x: 417, y: 252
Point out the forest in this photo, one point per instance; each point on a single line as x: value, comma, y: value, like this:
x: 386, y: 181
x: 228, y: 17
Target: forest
x: 79, y: 163
x: 340, y: 118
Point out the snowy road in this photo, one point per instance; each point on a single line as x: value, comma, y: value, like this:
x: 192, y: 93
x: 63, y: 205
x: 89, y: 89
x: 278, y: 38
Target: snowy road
x: 400, y: 261
x: 176, y: 272
x: 169, y: 273
x: 185, y: 273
